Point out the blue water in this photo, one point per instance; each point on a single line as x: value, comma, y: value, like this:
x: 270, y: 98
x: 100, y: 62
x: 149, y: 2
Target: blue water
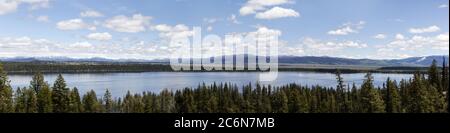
x: 120, y: 83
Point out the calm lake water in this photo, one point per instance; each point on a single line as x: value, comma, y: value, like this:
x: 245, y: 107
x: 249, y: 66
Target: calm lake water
x: 120, y: 83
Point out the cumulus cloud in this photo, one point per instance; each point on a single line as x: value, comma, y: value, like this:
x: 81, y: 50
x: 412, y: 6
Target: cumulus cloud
x: 348, y: 28
x: 91, y: 14
x: 74, y: 24
x: 105, y: 36
x: 380, y: 36
x: 277, y: 12
x: 8, y: 6
x: 399, y: 37
x: 415, y: 44
x: 329, y: 46
x: 169, y: 32
x: 262, y: 30
x: 83, y: 45
x: 314, y: 47
x: 31, y: 47
x: 253, y: 6
x: 264, y: 9
x: 133, y: 24
x: 429, y: 29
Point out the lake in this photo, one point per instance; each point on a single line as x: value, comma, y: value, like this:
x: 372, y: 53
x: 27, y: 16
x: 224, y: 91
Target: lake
x: 120, y: 83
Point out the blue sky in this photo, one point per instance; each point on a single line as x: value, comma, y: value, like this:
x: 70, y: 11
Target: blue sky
x: 379, y: 29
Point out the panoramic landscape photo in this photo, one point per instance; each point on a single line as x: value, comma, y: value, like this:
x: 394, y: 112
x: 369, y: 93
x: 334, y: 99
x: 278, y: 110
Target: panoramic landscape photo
x: 227, y: 56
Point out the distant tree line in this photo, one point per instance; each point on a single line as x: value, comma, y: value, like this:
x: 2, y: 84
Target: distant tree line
x: 105, y: 67
x: 424, y: 93
x: 86, y: 67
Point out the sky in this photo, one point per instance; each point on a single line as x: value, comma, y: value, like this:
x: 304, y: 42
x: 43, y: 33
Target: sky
x: 141, y: 29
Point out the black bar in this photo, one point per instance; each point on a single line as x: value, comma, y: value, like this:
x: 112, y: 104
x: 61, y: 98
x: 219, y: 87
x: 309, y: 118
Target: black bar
x: 288, y: 122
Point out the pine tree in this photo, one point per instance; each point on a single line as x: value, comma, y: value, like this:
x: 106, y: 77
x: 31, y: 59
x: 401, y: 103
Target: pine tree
x: 185, y: 101
x: 75, y: 105
x: 393, y: 104
x: 127, y: 104
x: 60, y: 96
x: 419, y: 101
x: 20, y: 101
x: 371, y: 100
x: 280, y: 102
x: 138, y: 104
x: 107, y: 98
x: 297, y: 102
x: 445, y: 80
x: 355, y: 96
x: 156, y: 104
x: 266, y: 103
x: 342, y: 96
x: 44, y: 99
x: 444, y: 76
x: 433, y: 76
x: 247, y: 102
x: 31, y: 101
x: 6, y: 93
x: 148, y: 102
x: 437, y: 99
x: 167, y: 101
x: 41, y: 88
x: 37, y: 82
x: 90, y: 102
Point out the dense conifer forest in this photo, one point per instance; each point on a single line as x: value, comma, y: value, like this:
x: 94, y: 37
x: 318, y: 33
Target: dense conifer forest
x: 424, y: 93
x: 113, y: 67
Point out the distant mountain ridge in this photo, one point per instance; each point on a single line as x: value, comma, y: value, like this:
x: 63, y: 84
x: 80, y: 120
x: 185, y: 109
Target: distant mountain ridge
x: 412, y: 61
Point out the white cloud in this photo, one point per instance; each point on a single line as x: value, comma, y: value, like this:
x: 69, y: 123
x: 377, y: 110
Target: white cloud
x: 105, y: 36
x: 233, y: 19
x: 399, y: 37
x: 314, y: 47
x: 210, y: 20
x: 91, y: 13
x: 277, y: 12
x: 416, y: 43
x: 21, y: 41
x: 253, y: 6
x: 380, y: 36
x: 329, y: 46
x: 209, y: 28
x: 8, y: 6
x: 74, y: 24
x: 168, y: 32
x: 29, y: 47
x: 37, y: 4
x: 133, y: 24
x: 42, y: 19
x: 443, y: 6
x: 430, y: 29
x: 348, y: 28
x: 81, y: 45
x: 264, y: 9
x: 262, y: 30
x: 342, y: 31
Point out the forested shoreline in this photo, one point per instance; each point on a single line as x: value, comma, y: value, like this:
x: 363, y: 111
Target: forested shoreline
x: 134, y: 67
x: 424, y: 93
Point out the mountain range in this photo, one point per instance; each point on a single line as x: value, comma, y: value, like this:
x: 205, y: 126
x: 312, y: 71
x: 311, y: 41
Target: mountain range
x: 323, y: 60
